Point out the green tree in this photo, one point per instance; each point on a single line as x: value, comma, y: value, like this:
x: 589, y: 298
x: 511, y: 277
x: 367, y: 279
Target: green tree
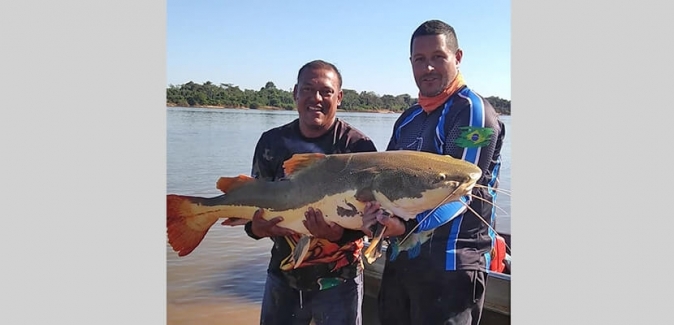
x: 229, y: 95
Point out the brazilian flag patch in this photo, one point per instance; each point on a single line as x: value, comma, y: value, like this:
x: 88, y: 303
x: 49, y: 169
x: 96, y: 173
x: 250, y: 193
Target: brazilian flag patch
x: 473, y: 137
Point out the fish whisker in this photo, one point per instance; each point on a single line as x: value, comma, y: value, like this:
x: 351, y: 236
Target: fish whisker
x: 487, y: 201
x: 483, y: 221
x: 464, y: 204
x: 497, y: 190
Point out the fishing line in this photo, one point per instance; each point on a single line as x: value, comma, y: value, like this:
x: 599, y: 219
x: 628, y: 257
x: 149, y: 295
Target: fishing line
x: 487, y: 201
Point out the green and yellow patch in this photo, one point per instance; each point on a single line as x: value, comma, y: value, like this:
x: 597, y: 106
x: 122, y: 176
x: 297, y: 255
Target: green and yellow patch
x: 474, y: 137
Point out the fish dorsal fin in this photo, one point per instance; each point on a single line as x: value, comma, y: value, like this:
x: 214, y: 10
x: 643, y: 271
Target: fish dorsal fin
x: 300, y: 161
x: 229, y: 183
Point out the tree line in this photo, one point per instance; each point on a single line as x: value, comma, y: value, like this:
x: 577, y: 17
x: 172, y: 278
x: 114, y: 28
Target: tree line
x: 227, y: 95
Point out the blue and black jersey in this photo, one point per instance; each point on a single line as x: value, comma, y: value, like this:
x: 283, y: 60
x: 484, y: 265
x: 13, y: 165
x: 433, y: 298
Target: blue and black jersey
x: 466, y: 127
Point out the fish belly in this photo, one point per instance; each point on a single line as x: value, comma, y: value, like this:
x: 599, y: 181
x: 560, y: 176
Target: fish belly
x: 341, y: 208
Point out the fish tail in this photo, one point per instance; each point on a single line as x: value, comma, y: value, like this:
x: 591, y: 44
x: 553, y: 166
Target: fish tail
x: 184, y: 227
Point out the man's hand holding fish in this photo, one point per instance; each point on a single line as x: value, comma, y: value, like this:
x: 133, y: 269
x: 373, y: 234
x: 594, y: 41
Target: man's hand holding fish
x: 373, y: 214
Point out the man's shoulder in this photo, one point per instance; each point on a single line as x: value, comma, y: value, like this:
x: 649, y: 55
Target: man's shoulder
x: 348, y: 126
x: 348, y: 129
x: 352, y: 138
x: 410, y: 110
x: 268, y: 150
x: 476, y: 113
x: 406, y: 113
x: 468, y: 98
x: 279, y: 131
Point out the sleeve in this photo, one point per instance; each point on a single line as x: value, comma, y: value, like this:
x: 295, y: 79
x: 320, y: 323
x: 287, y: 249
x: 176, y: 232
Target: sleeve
x: 475, y: 133
x: 473, y: 137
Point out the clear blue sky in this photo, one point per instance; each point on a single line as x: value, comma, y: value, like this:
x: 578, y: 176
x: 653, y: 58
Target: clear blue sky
x: 248, y: 43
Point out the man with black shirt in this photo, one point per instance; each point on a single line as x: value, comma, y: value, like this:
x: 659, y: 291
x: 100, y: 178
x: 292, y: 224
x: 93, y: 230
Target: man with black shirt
x: 327, y: 286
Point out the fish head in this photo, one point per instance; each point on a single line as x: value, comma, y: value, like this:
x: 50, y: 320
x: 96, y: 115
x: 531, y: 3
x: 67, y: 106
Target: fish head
x: 422, y: 181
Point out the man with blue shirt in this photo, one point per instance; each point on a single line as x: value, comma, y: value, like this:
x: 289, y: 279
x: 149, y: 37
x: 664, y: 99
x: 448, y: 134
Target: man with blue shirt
x: 436, y: 265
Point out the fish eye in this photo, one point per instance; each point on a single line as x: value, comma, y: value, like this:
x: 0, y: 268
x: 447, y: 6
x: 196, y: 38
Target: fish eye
x: 442, y: 177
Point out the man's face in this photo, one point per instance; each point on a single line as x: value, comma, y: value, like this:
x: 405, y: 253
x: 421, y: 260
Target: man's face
x: 434, y: 65
x: 317, y: 95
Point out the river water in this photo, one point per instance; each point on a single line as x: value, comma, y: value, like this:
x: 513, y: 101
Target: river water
x: 221, y: 281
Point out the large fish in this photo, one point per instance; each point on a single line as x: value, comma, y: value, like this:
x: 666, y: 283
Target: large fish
x: 405, y: 183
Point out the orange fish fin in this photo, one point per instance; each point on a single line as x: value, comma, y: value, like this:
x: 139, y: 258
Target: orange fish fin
x: 185, y: 229
x: 299, y: 161
x: 229, y: 183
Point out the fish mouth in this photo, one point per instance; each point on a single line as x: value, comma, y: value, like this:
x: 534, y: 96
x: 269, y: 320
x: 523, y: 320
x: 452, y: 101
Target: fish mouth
x: 466, y: 188
x: 469, y: 184
x: 461, y: 188
x: 475, y: 176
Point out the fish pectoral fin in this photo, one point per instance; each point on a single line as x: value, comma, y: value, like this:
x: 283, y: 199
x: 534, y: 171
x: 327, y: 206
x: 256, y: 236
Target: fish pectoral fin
x: 300, y: 161
x: 229, y: 183
x: 301, y: 250
x: 374, y: 251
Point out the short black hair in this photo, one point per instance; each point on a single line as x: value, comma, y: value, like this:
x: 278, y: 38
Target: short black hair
x: 320, y: 64
x: 437, y: 27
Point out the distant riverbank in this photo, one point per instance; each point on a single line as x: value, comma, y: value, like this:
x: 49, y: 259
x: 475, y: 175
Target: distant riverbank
x: 208, y: 95
x: 272, y: 108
